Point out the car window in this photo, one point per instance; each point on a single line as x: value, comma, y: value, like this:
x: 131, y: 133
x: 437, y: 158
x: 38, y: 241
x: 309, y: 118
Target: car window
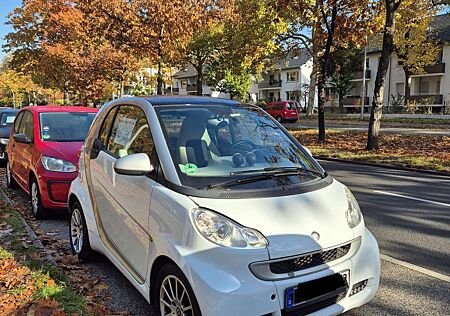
x: 17, y: 122
x: 130, y: 133
x: 28, y: 126
x: 65, y: 126
x: 7, y: 119
x: 106, y: 126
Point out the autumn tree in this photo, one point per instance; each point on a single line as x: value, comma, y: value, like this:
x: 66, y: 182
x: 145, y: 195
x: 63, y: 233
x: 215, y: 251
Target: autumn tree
x: 414, y: 45
x: 392, y: 10
x: 344, y: 64
x: 236, y: 85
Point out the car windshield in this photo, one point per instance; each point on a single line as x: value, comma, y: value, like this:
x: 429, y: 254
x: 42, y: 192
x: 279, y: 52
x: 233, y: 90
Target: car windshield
x: 212, y: 144
x: 65, y: 126
x: 7, y: 119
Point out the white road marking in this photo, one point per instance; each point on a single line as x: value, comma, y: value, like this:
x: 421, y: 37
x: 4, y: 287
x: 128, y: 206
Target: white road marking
x: 412, y: 198
x: 411, y: 266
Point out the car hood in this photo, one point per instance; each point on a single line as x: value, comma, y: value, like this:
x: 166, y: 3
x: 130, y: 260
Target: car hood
x: 69, y: 151
x: 289, y: 221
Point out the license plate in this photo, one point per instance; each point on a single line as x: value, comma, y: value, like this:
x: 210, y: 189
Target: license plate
x: 300, y: 295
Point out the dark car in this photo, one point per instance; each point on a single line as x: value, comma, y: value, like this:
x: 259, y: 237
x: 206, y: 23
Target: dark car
x: 7, y: 116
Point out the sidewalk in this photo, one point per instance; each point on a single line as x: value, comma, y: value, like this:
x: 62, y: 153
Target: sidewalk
x: 389, y: 130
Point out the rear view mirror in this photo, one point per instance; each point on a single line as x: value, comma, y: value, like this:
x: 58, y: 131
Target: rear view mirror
x: 134, y: 165
x: 21, y: 138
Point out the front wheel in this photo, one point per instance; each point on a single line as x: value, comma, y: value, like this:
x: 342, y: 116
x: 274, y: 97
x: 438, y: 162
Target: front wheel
x: 38, y: 210
x: 173, y: 294
x: 10, y: 182
x: 79, y: 237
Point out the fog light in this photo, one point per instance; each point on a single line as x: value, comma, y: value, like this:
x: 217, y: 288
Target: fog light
x: 358, y: 287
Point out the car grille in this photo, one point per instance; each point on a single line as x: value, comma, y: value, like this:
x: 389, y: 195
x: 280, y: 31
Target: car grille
x: 309, y: 261
x: 314, y: 307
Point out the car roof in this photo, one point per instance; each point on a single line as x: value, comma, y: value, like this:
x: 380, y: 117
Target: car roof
x: 158, y: 100
x: 57, y: 108
x: 8, y: 110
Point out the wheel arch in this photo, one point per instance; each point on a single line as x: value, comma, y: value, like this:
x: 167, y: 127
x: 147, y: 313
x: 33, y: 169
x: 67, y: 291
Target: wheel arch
x: 156, y: 267
x: 71, y: 200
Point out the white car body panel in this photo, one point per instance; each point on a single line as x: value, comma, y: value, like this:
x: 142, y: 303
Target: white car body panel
x: 288, y: 221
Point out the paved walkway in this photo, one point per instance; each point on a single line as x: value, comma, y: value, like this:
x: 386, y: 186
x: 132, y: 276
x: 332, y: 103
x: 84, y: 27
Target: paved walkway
x: 390, y: 130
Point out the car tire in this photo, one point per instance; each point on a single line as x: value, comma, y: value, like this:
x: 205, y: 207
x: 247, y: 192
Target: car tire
x: 79, y: 236
x: 10, y: 182
x: 279, y: 119
x: 167, y: 276
x: 38, y: 210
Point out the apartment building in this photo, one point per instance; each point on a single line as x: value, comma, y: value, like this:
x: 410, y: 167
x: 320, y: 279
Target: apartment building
x: 284, y: 81
x: 430, y: 89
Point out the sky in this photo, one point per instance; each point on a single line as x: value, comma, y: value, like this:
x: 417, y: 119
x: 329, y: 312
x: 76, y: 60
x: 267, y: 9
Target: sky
x: 6, y: 6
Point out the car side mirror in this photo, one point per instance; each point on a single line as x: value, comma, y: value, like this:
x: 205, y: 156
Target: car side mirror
x: 307, y: 150
x: 134, y: 165
x: 21, y: 138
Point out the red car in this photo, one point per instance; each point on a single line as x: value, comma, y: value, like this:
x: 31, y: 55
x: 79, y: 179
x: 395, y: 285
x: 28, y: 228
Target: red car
x: 283, y: 111
x: 43, y: 153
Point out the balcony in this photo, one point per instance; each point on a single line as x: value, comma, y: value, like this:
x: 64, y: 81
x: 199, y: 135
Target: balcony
x: 439, y: 68
x: 427, y: 100
x: 358, y: 75
x: 354, y: 100
x: 269, y: 84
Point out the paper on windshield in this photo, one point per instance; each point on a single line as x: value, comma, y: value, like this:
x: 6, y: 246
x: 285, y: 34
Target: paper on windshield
x: 124, y: 131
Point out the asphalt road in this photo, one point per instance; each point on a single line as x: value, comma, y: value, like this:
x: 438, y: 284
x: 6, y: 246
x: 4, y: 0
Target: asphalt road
x: 417, y: 232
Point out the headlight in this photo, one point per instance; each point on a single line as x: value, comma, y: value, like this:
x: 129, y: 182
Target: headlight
x: 222, y: 231
x: 4, y: 141
x: 57, y: 165
x: 353, y: 213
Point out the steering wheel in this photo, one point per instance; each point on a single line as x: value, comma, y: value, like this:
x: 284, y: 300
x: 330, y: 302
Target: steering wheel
x: 242, y: 142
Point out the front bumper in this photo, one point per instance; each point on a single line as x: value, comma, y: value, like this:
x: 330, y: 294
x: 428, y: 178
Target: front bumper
x: 54, y: 188
x: 227, y: 287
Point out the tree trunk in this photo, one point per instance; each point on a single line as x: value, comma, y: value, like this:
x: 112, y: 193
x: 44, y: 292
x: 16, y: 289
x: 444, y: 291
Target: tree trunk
x: 200, y: 80
x: 387, y: 49
x: 312, y: 89
x: 199, y: 68
x: 159, y: 89
x: 66, y: 100
x: 407, y: 87
x: 341, y: 104
x: 13, y: 98
x: 323, y: 73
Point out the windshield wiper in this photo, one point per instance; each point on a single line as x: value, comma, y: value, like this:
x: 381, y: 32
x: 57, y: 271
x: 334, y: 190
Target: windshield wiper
x: 266, y: 173
x: 282, y: 170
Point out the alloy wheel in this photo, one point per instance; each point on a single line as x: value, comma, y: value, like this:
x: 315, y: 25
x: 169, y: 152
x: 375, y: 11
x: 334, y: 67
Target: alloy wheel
x: 34, y: 197
x: 76, y: 230
x: 174, y: 298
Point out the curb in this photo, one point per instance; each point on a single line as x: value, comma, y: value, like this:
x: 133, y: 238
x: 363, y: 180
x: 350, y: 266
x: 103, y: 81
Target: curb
x: 374, y: 164
x: 30, y: 232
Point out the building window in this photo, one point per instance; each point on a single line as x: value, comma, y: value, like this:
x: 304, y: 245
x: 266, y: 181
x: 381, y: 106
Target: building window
x: 424, y: 86
x: 438, y: 87
x: 292, y: 76
x: 400, y: 87
x: 183, y: 84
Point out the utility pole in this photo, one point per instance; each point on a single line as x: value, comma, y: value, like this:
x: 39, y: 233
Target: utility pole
x: 363, y: 88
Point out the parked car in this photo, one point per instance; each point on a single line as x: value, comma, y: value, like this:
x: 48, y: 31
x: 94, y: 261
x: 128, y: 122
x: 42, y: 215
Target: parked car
x: 43, y: 153
x: 7, y: 116
x: 283, y: 111
x: 209, y: 207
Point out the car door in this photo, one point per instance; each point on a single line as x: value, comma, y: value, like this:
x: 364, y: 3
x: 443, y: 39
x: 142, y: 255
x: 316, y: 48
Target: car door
x: 123, y: 202
x: 22, y: 156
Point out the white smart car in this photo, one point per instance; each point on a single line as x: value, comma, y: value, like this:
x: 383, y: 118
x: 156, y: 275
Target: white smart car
x: 210, y: 207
